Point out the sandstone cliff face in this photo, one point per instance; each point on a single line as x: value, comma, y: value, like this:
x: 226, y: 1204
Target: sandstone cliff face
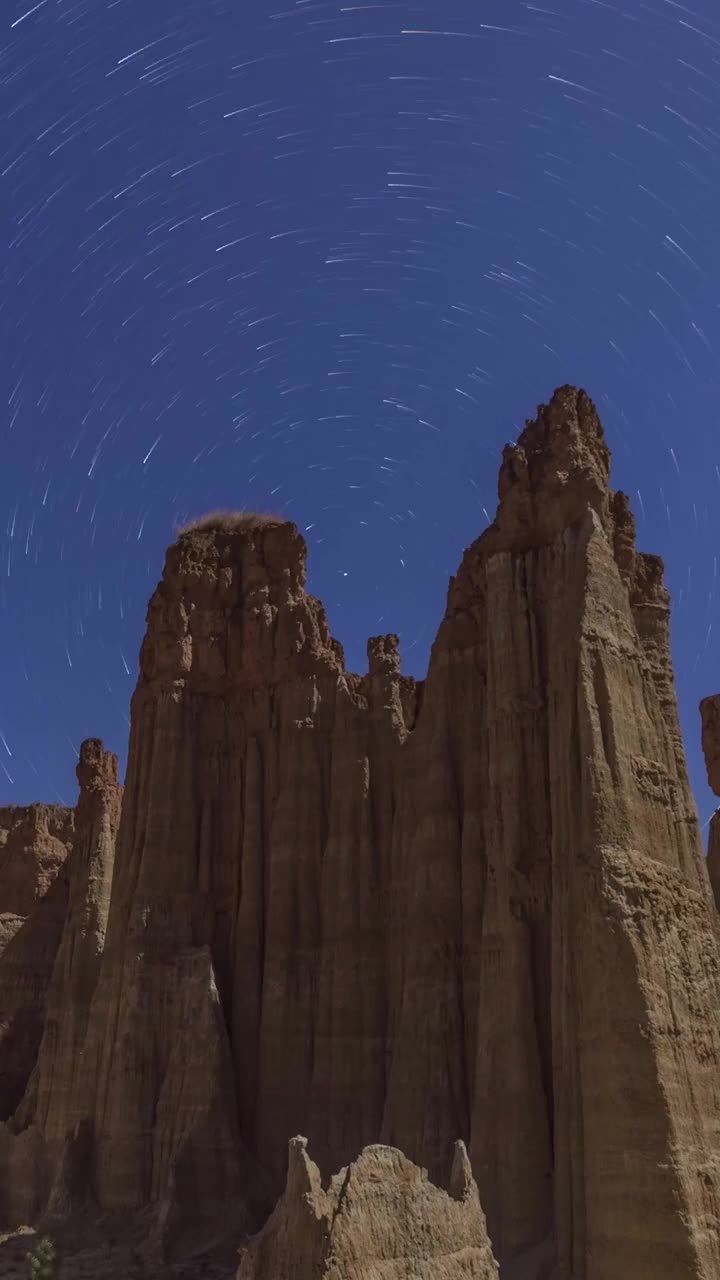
x: 379, y: 1219
x: 375, y: 911
x: 47, y: 976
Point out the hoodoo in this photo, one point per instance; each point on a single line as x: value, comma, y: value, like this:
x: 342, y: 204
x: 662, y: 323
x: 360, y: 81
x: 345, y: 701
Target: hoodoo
x: 376, y: 911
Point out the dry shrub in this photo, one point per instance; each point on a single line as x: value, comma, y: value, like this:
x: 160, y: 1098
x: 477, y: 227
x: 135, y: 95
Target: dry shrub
x: 227, y: 521
x: 43, y: 1261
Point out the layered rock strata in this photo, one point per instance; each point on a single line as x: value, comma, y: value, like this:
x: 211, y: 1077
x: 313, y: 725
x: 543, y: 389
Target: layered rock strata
x: 380, y: 1217
x: 372, y: 910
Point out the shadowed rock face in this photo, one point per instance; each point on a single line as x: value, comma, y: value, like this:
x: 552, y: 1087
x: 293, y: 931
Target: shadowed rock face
x: 47, y: 976
x: 379, y: 1219
x: 376, y: 911
x: 34, y: 843
x: 713, y: 856
x: 75, y: 972
x: 34, y: 846
x: 710, y: 719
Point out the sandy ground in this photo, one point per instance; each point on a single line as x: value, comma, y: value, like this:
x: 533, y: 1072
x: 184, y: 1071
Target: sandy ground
x: 103, y: 1250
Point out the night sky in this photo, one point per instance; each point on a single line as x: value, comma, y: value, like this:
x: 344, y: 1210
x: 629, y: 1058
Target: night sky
x: 325, y: 260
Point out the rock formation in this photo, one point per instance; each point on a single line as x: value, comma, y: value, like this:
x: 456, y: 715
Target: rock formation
x: 710, y: 718
x: 379, y: 1219
x: 47, y: 977
x: 371, y: 910
x: 34, y: 845
x: 713, y: 856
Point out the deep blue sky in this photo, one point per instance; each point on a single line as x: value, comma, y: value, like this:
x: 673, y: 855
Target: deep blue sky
x: 326, y: 259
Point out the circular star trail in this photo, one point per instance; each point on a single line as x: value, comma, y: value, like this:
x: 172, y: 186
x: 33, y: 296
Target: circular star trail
x: 324, y: 260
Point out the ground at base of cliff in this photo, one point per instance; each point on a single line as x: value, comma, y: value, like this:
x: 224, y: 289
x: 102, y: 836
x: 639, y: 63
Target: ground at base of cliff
x: 100, y: 1250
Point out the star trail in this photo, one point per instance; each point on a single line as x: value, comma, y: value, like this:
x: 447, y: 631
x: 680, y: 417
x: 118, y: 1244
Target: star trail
x: 324, y: 260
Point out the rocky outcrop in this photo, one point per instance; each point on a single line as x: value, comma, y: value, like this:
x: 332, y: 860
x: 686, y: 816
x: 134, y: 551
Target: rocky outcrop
x: 372, y: 910
x: 25, y: 970
x: 34, y: 843
x: 380, y: 1217
x: 710, y: 719
x: 713, y: 856
x: 47, y: 977
x: 34, y: 846
x: 76, y: 968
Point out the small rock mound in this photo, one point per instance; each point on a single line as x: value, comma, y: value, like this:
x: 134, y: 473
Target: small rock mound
x: 379, y: 1219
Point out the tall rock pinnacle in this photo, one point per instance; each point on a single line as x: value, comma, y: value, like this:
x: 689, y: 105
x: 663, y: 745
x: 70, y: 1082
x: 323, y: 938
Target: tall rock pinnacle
x: 62, y: 940
x: 710, y: 718
x: 375, y: 911
x: 75, y: 973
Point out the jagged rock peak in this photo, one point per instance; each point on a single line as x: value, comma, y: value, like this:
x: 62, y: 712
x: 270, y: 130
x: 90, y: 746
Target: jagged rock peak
x: 379, y: 1216
x: 96, y: 767
x: 559, y: 466
x: 221, y: 537
x: 232, y: 609
x: 48, y: 819
x: 34, y: 844
x: 100, y: 791
x: 555, y: 477
x: 383, y: 655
